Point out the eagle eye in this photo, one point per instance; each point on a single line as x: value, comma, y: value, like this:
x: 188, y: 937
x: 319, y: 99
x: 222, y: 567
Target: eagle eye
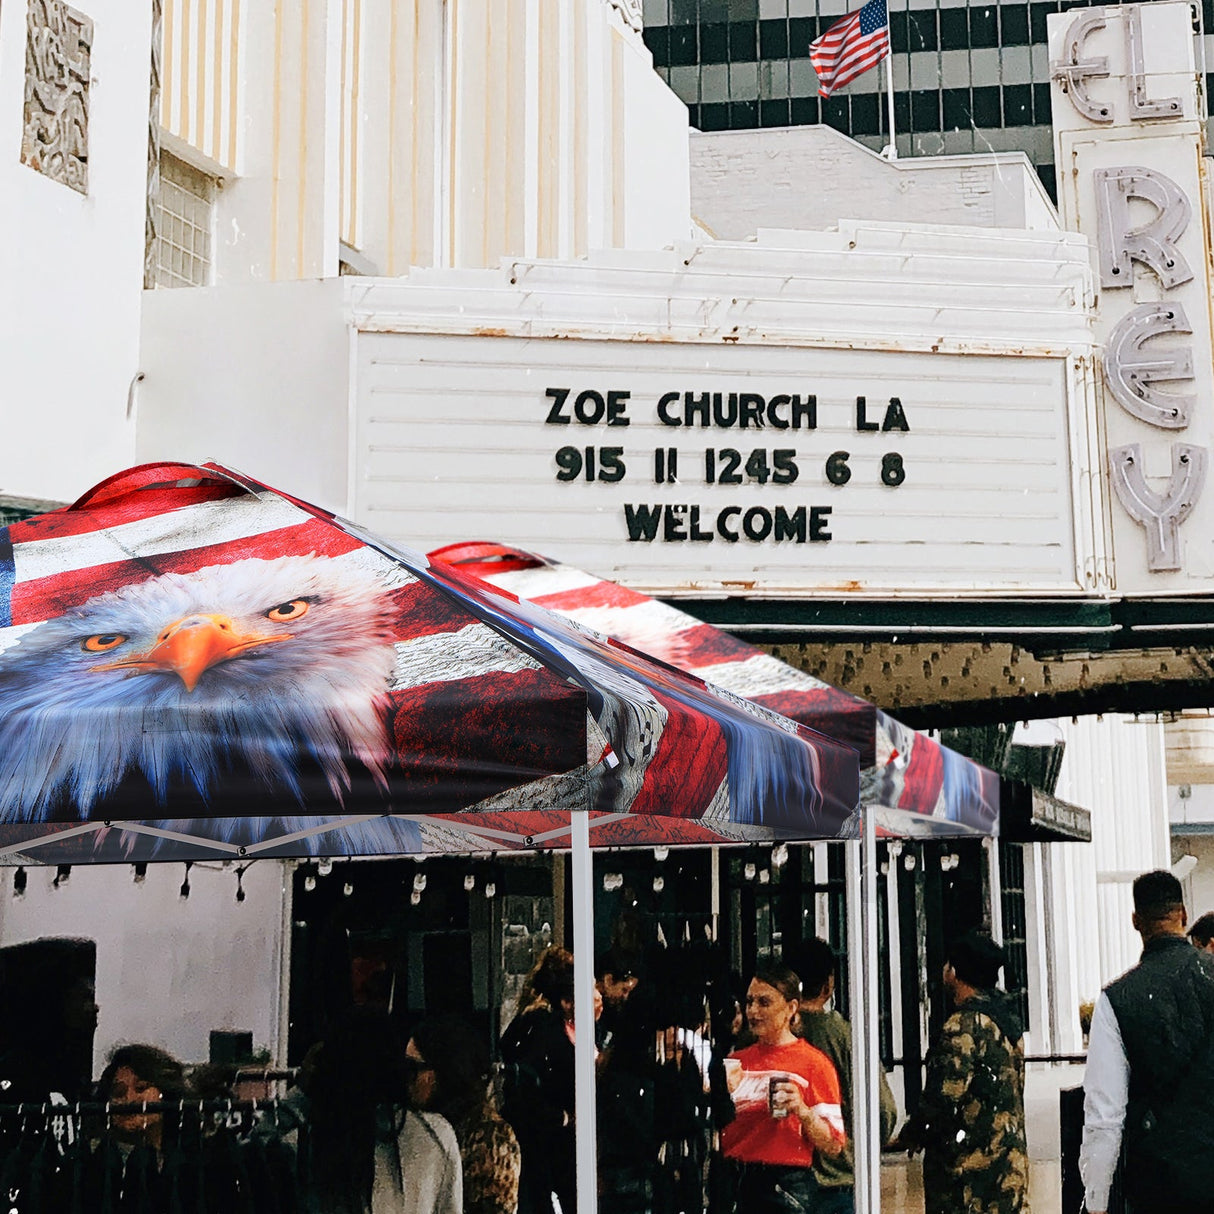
x: 102, y: 642
x: 293, y: 610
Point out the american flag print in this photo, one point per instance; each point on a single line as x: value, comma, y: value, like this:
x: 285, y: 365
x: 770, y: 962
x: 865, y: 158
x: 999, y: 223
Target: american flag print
x: 850, y: 47
x: 914, y: 785
x: 192, y: 663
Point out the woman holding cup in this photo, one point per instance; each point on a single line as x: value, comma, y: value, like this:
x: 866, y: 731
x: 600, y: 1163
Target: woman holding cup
x: 786, y: 1100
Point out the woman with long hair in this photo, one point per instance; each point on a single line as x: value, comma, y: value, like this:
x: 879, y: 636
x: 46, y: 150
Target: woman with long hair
x: 786, y: 1099
x: 371, y: 1152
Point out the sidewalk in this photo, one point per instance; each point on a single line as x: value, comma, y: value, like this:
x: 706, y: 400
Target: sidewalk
x: 902, y: 1178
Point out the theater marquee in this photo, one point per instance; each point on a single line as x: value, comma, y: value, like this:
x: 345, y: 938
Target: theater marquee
x: 681, y: 467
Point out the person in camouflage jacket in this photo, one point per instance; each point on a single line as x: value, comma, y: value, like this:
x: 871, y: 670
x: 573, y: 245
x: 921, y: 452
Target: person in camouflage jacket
x: 970, y: 1122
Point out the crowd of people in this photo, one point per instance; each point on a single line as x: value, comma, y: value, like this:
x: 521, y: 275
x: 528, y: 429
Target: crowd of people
x: 711, y: 1098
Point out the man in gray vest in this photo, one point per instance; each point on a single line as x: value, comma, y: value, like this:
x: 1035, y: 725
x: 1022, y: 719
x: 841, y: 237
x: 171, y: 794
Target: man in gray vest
x: 1150, y: 1068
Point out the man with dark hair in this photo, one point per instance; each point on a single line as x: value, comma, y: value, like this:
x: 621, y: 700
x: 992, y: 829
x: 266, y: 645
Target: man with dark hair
x: 817, y: 964
x: 1202, y: 932
x: 1150, y: 1069
x: 970, y: 1121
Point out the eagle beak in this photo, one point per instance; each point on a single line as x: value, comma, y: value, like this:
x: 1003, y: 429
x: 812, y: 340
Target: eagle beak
x: 191, y: 646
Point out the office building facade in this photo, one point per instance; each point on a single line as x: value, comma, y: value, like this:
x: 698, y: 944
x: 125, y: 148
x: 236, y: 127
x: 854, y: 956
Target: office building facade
x: 968, y: 77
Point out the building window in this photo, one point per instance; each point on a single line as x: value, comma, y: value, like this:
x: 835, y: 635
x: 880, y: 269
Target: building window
x: 184, y: 219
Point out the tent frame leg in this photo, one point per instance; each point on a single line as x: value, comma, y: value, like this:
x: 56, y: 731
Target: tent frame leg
x: 582, y: 890
x: 865, y: 1004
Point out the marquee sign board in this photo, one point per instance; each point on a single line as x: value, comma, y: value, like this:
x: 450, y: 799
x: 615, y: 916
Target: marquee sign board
x: 1129, y: 131
x: 718, y: 468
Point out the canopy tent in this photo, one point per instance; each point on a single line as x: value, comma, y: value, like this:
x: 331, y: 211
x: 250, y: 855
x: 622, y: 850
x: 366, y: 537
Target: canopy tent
x: 192, y: 664
x: 915, y: 785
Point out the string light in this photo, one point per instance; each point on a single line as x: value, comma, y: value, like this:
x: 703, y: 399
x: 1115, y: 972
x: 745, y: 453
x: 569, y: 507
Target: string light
x: 19, y: 879
x: 240, y: 872
x: 62, y: 873
x: 184, y: 891
x: 310, y: 882
x: 140, y: 872
x: 779, y: 855
x: 324, y: 866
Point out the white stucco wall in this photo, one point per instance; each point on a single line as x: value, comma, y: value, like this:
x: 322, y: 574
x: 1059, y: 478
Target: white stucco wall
x: 256, y: 377
x: 813, y: 176
x: 169, y: 970
x: 71, y: 268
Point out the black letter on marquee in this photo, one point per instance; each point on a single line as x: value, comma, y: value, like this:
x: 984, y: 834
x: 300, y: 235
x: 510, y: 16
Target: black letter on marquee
x: 663, y: 416
x: 642, y: 522
x: 895, y: 419
x: 555, y: 416
x: 674, y: 524
x: 731, y: 536
x: 790, y: 526
x: 862, y: 422
x: 818, y: 522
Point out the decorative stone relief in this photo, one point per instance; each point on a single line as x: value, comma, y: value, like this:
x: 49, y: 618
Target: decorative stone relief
x: 630, y: 10
x: 152, y: 214
x: 55, y: 139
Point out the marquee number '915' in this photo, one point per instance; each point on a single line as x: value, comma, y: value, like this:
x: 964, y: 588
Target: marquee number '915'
x: 597, y: 463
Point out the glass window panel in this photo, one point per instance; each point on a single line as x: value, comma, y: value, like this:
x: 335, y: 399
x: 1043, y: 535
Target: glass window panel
x: 954, y: 29
x: 714, y: 44
x: 925, y: 110
x: 801, y: 32
x: 743, y: 115
x: 743, y: 42
x: 957, y: 115
x: 984, y: 26
x: 866, y: 116
x: 1014, y: 25
x: 774, y: 112
x: 921, y: 31
x: 805, y: 111
x: 1017, y: 105
x: 1041, y: 104
x: 834, y: 112
x: 773, y: 39
x: 1037, y: 16
x: 897, y: 31
x: 682, y: 45
x: 986, y: 106
x: 714, y: 117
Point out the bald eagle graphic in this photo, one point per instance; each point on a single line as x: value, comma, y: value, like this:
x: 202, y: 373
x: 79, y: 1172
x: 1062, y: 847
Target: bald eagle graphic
x: 265, y: 667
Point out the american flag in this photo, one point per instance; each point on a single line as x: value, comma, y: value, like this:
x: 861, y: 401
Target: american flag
x: 850, y: 46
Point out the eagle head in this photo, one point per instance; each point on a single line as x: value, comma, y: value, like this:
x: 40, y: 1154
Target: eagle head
x: 260, y: 662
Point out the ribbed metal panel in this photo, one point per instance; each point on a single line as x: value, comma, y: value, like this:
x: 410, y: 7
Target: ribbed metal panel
x: 200, y: 91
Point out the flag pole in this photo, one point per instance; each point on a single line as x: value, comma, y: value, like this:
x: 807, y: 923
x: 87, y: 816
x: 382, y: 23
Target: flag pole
x: 891, y: 152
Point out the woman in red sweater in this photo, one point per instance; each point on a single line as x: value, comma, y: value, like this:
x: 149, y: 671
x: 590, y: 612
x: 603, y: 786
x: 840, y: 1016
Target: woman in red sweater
x: 786, y: 1100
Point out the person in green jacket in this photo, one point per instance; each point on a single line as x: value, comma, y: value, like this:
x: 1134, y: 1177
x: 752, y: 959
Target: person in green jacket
x: 831, y: 1033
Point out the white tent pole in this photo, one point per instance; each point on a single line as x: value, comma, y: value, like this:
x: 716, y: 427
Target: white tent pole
x: 859, y: 1017
x: 872, y: 1004
x: 582, y: 894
